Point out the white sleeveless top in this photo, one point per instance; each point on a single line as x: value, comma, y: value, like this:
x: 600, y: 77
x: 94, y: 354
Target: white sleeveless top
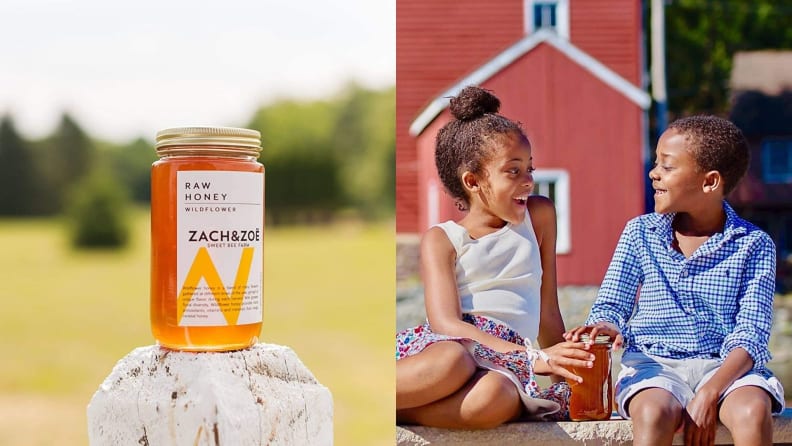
x: 499, y: 275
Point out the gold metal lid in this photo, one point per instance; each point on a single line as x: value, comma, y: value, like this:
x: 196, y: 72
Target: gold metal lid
x: 231, y: 137
x: 600, y: 339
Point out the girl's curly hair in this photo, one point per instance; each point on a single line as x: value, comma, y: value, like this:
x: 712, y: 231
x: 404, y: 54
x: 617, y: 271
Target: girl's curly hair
x: 466, y: 142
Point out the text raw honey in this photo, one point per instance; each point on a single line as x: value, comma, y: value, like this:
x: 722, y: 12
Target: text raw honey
x: 207, y: 232
x: 593, y: 398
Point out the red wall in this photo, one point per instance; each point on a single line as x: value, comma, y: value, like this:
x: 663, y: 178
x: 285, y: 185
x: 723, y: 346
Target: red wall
x: 440, y: 41
x: 577, y: 123
x: 609, y: 31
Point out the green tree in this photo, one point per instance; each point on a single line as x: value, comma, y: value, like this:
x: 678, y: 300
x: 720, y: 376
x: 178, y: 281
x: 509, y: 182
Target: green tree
x: 66, y: 156
x: 18, y: 175
x: 701, y: 39
x: 302, y: 182
x: 365, y: 145
x: 325, y: 156
x: 131, y: 163
x: 96, y: 209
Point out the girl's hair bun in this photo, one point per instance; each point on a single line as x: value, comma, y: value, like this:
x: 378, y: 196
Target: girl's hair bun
x: 473, y: 102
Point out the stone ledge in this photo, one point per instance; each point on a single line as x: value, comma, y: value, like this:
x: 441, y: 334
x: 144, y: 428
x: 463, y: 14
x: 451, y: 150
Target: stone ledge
x: 590, y: 433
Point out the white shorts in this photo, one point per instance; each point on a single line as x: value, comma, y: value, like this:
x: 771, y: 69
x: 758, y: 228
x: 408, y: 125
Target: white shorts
x: 682, y: 378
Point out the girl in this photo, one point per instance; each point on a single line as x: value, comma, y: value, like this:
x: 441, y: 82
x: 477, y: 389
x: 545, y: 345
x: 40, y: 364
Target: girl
x: 487, y: 279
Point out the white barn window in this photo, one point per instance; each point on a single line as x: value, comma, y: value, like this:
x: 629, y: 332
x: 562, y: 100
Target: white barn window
x: 547, y: 14
x: 554, y: 184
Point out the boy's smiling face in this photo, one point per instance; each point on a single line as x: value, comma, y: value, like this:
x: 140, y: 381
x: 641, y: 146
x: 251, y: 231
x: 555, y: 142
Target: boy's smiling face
x: 676, y: 177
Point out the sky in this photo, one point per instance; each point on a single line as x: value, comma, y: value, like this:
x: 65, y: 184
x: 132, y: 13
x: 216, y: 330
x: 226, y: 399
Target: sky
x: 124, y: 70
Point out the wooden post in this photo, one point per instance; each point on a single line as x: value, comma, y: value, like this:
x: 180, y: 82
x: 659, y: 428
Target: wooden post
x: 262, y: 395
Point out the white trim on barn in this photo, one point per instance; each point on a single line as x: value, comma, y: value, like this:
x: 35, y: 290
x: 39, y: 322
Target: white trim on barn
x: 507, y: 57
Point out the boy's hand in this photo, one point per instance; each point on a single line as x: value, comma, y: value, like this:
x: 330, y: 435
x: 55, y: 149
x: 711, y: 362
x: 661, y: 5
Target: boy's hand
x: 593, y: 330
x: 564, y: 356
x: 701, y: 416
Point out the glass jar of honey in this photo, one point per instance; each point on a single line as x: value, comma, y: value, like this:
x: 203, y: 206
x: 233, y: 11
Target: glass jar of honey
x: 592, y: 399
x: 207, y: 232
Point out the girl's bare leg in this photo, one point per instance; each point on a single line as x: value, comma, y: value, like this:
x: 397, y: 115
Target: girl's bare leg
x: 488, y: 400
x: 656, y: 415
x: 746, y: 412
x: 437, y: 372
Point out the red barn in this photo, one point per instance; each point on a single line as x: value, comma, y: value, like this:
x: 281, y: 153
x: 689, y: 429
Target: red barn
x: 569, y: 71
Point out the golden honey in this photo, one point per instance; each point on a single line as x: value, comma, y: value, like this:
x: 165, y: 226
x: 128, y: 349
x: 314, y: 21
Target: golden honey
x: 207, y: 232
x: 593, y: 398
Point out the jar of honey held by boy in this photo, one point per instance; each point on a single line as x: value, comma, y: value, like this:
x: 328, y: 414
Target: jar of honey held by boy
x: 207, y: 232
x: 592, y: 399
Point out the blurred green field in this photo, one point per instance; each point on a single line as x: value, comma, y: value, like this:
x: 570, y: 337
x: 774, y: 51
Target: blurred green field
x: 67, y: 317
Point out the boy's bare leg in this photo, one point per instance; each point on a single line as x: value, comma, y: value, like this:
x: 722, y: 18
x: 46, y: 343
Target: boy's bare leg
x: 438, y: 371
x: 656, y: 415
x: 486, y: 401
x: 746, y: 412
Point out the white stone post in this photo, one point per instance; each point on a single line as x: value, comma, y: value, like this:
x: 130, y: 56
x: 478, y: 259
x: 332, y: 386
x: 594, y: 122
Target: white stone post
x: 262, y: 395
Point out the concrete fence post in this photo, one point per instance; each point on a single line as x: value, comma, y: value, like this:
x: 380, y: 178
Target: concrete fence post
x: 262, y: 395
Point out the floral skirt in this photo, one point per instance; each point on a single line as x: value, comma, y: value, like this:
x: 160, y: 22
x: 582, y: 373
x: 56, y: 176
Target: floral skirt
x: 541, y: 404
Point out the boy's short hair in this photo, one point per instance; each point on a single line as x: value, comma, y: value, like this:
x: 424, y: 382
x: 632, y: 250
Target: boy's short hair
x: 716, y: 144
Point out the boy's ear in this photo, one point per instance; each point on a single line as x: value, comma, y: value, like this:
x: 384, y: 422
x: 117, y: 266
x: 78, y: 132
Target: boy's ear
x: 713, y: 182
x: 470, y: 182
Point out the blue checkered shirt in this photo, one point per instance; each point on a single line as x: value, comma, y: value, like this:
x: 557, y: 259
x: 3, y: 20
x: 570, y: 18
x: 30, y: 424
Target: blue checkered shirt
x: 704, y: 306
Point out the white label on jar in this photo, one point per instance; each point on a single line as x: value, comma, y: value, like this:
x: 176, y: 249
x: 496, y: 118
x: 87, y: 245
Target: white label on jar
x: 219, y: 261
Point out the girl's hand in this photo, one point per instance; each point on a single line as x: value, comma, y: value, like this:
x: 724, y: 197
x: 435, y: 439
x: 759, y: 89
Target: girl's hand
x: 562, y: 357
x: 593, y: 330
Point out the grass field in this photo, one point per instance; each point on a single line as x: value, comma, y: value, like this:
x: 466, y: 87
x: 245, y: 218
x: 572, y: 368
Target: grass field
x: 67, y: 317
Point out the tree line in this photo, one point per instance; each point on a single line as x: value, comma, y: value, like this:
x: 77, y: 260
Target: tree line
x: 321, y: 158
x: 701, y: 38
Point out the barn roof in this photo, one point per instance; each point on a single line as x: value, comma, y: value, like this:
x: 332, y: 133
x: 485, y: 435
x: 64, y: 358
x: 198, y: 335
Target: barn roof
x: 519, y: 49
x: 769, y: 72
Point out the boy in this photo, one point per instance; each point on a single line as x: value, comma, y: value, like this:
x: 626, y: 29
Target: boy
x: 689, y: 293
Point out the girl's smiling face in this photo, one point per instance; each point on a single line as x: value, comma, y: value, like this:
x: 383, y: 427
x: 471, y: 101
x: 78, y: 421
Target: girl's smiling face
x: 676, y: 178
x: 508, y: 180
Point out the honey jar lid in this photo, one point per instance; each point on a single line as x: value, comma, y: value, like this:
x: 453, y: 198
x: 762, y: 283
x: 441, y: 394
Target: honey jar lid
x: 209, y: 136
x: 600, y: 339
